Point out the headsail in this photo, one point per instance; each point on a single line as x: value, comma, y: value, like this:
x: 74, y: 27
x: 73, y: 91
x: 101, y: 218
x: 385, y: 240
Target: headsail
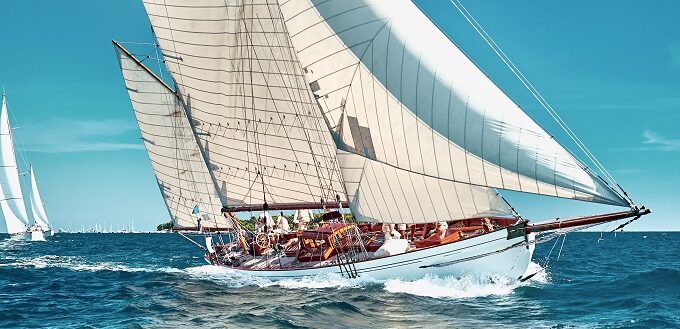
x: 182, y: 175
x: 12, y: 202
x: 252, y: 108
x: 383, y: 193
x: 400, y: 93
x: 39, y: 215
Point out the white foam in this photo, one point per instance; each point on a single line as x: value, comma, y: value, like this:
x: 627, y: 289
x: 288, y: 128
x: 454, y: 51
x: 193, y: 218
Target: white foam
x: 78, y: 264
x: 236, y: 279
x: 541, y: 275
x: 226, y: 276
x: 465, y: 286
x: 324, y: 281
x: 431, y: 286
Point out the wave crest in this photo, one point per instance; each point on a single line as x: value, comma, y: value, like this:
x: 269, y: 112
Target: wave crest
x: 465, y: 286
x: 78, y: 264
x: 429, y: 286
x: 236, y: 279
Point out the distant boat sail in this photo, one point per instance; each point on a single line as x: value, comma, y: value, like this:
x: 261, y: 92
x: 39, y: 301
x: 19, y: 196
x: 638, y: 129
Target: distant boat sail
x: 37, y: 206
x: 363, y: 104
x: 12, y: 203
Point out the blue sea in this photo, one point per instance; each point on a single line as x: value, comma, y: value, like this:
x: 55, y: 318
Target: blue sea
x: 624, y: 280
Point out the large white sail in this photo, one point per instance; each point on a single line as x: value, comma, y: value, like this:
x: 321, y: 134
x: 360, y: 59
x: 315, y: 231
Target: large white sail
x: 234, y: 61
x: 253, y: 110
x: 398, y: 92
x: 39, y: 215
x: 181, y: 172
x: 12, y: 203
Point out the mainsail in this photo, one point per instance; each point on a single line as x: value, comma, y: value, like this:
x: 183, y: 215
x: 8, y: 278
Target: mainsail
x: 399, y: 94
x: 12, y: 202
x: 39, y: 215
x: 176, y: 158
x: 234, y: 62
x: 253, y: 111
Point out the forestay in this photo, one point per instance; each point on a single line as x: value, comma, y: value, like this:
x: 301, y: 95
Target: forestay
x: 252, y: 109
x: 176, y: 159
x: 12, y: 201
x: 37, y: 208
x: 400, y: 94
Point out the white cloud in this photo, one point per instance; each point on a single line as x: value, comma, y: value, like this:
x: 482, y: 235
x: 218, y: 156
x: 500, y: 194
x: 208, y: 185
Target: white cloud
x: 63, y: 135
x: 655, y: 141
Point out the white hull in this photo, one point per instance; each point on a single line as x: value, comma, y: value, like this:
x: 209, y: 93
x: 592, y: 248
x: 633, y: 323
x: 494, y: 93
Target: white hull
x: 488, y: 255
x: 21, y: 236
x: 37, y: 235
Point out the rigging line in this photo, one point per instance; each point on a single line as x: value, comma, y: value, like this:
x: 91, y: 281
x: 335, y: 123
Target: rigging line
x: 256, y: 135
x: 159, y: 60
x: 136, y: 43
x: 487, y: 38
x: 298, y: 117
x: 550, y: 108
x: 240, y: 71
x: 294, y: 64
x: 559, y: 254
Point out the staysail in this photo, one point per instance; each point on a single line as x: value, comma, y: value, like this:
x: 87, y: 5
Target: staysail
x: 39, y: 215
x: 399, y: 94
x: 176, y: 158
x: 12, y: 202
x: 253, y: 111
x: 233, y: 60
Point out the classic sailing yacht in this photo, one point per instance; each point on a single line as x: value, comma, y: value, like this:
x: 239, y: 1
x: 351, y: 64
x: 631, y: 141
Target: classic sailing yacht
x: 359, y: 104
x: 12, y: 202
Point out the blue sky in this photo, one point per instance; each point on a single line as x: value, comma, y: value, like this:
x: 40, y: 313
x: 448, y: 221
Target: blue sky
x: 610, y: 68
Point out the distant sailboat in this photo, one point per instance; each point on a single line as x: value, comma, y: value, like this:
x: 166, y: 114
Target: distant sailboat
x: 37, y: 206
x: 12, y: 202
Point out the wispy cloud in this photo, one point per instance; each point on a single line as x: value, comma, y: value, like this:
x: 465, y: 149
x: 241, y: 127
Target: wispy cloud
x: 63, y: 135
x: 654, y: 141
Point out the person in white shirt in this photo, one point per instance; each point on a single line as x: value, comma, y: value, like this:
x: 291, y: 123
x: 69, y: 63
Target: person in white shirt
x: 303, y: 215
x: 282, y: 224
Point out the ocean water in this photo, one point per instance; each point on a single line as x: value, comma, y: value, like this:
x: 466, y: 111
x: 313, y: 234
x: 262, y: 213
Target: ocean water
x: 627, y: 280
